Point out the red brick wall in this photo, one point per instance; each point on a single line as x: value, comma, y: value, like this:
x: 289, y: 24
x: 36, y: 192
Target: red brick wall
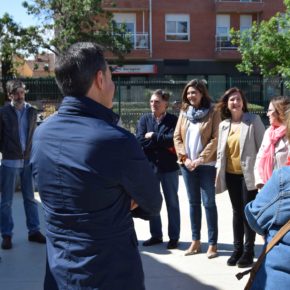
x: 271, y: 7
x: 201, y: 45
x: 202, y: 30
x: 131, y: 4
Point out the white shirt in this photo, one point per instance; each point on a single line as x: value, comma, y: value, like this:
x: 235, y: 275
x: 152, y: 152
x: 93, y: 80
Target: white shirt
x: 193, y: 145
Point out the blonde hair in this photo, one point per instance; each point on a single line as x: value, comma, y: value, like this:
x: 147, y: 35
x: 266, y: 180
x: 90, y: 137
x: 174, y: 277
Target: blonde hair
x: 281, y: 105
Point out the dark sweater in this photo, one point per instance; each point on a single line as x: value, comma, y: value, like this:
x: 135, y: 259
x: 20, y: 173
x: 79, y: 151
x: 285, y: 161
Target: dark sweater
x: 9, y: 135
x: 158, y: 148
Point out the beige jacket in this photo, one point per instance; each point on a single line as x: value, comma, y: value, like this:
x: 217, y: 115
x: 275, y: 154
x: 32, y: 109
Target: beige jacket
x: 208, y: 133
x: 252, y: 132
x: 280, y: 157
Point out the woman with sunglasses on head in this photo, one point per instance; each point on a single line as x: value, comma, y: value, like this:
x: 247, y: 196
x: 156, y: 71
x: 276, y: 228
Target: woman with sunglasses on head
x: 273, y: 152
x: 240, y: 137
x: 195, y: 140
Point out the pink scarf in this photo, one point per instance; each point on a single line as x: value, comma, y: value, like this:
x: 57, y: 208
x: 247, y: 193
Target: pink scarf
x: 267, y: 158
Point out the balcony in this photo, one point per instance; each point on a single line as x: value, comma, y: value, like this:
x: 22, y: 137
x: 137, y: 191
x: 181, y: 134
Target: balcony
x: 140, y: 40
x: 225, y: 49
x: 224, y: 43
x: 239, y: 6
x: 140, y: 47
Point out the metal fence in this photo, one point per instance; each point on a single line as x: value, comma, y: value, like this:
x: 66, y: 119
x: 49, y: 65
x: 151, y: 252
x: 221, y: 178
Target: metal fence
x: 131, y: 98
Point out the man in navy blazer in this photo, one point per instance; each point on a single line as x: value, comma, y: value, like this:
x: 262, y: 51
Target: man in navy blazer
x: 93, y: 178
x: 155, y: 134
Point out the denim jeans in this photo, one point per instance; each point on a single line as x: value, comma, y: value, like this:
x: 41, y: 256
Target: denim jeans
x: 199, y: 185
x: 169, y: 183
x: 240, y: 196
x: 8, y: 181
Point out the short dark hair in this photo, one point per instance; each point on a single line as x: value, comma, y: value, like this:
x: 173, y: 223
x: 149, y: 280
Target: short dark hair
x: 200, y: 85
x: 222, y: 104
x: 13, y: 85
x: 76, y: 68
x: 162, y: 94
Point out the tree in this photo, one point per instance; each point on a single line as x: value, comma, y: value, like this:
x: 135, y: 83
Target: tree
x: 16, y: 43
x: 79, y: 20
x: 265, y: 47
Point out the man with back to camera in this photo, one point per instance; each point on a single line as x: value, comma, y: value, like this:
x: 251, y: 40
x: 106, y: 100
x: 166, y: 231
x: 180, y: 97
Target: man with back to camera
x: 155, y: 134
x: 17, y: 125
x: 91, y: 175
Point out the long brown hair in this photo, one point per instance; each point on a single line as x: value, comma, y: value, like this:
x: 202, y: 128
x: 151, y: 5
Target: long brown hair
x: 222, y: 104
x: 200, y: 85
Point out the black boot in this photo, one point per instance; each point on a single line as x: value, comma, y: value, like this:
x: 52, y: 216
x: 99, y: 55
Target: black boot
x: 236, y: 255
x: 246, y: 260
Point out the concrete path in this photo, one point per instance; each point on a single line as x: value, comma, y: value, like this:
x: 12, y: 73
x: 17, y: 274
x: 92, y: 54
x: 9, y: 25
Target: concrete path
x: 22, y: 268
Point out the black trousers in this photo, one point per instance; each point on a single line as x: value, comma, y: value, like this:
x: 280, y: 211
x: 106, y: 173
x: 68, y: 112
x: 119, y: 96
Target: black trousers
x: 240, y: 196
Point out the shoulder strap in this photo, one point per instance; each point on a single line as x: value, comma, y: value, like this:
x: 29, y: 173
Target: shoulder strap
x: 271, y: 244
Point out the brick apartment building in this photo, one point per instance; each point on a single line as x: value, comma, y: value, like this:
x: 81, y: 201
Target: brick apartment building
x: 182, y: 39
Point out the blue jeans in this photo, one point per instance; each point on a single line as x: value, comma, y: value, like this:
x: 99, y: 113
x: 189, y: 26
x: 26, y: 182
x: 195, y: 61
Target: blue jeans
x: 200, y: 186
x: 8, y: 181
x: 169, y: 183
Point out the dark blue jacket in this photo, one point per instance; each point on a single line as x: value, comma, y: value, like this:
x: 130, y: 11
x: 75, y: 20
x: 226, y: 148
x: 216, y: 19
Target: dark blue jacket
x: 158, y: 149
x: 266, y: 214
x: 88, y: 169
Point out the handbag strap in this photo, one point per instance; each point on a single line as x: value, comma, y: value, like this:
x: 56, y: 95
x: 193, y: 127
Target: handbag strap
x: 270, y: 245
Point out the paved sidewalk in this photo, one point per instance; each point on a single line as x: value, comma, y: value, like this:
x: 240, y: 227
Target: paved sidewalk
x: 22, y: 268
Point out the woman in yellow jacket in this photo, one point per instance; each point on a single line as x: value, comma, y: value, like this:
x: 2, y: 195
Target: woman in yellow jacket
x: 195, y: 141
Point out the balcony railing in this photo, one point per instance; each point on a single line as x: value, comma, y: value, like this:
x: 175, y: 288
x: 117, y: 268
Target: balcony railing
x: 140, y: 40
x: 224, y: 43
x: 246, y: 1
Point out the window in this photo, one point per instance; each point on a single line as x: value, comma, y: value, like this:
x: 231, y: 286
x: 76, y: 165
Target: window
x: 223, y: 38
x: 126, y: 18
x: 223, y: 26
x: 245, y: 22
x: 177, y: 27
x: 129, y: 19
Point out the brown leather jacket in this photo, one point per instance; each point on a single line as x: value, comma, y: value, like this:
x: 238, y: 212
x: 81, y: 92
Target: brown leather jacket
x: 208, y: 131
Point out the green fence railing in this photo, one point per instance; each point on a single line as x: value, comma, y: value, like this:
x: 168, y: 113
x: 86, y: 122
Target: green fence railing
x: 131, y: 98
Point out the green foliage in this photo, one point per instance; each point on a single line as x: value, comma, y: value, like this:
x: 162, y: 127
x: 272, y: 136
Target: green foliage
x: 16, y: 43
x: 255, y: 107
x: 79, y: 20
x: 265, y: 48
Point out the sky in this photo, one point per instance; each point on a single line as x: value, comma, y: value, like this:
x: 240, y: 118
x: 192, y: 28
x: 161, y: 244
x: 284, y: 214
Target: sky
x: 18, y: 13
